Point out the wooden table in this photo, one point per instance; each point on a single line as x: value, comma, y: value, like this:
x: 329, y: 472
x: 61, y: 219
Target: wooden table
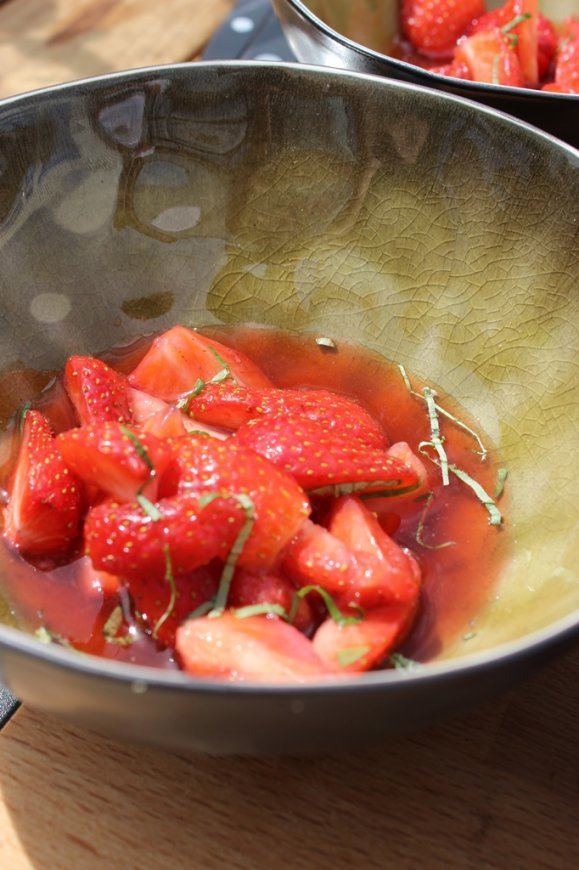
x: 498, y: 788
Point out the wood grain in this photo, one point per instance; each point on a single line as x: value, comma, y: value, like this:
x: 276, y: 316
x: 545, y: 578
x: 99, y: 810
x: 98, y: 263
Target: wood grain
x: 43, y: 42
x: 498, y: 788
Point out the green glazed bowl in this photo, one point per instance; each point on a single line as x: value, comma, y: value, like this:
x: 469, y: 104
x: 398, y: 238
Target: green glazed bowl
x: 439, y: 233
x: 357, y: 34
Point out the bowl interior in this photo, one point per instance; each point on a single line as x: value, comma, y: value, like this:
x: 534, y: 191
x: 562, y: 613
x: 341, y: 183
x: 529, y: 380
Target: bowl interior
x: 432, y: 231
x: 375, y: 23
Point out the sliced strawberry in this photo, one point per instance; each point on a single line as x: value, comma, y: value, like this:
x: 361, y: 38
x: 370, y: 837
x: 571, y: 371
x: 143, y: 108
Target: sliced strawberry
x: 179, y: 357
x: 395, y: 574
x: 203, y: 465
x: 164, y: 420
x: 115, y: 459
x: 454, y: 69
x: 98, y: 393
x: 357, y: 647
x: 232, y: 406
x: 44, y: 509
x: 248, y: 589
x: 490, y: 58
x: 355, y: 560
x: 259, y: 648
x: 152, y: 597
x: 123, y: 540
x: 527, y: 39
x: 324, y: 462
x: 95, y: 582
x: 433, y: 26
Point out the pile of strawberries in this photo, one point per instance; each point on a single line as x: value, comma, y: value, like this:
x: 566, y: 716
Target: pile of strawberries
x: 513, y: 45
x: 231, y: 511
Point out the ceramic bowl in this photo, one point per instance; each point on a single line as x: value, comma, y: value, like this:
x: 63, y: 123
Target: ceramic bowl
x: 355, y: 36
x: 429, y: 229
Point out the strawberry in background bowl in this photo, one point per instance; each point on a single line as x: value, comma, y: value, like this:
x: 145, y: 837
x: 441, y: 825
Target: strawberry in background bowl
x: 520, y: 56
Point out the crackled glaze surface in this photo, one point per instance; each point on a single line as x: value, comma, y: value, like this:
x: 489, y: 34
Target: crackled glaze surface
x: 443, y: 238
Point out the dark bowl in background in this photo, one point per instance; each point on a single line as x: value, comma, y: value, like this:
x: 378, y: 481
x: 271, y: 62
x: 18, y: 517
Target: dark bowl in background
x: 354, y: 36
x: 424, y: 227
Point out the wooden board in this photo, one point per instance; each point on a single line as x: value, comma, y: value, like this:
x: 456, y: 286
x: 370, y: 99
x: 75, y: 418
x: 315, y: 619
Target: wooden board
x: 498, y: 788
x: 43, y: 42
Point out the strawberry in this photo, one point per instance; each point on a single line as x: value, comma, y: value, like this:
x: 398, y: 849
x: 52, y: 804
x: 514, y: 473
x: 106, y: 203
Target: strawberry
x: 98, y: 393
x: 433, y: 26
x: 354, y: 560
x: 44, y: 509
x: 322, y: 461
x: 177, y: 359
x: 258, y: 649
x: 203, y: 465
x: 232, y: 406
x: 163, y: 420
x: 454, y: 69
x: 490, y: 58
x: 363, y: 645
x: 247, y: 589
x: 115, y: 459
x: 395, y: 574
x: 167, y: 423
x: 124, y: 540
x: 95, y: 583
x: 521, y: 23
x: 151, y: 597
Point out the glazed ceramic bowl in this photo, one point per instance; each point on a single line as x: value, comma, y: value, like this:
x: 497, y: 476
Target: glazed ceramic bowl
x: 356, y: 35
x: 432, y: 230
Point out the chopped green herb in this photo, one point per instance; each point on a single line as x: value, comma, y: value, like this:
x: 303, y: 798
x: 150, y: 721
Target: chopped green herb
x: 333, y: 608
x: 436, y: 439
x: 203, y: 609
x: 170, y: 579
x: 469, y: 636
x: 22, y: 414
x: 483, y: 452
x: 400, y: 662
x: 495, y: 516
x: 140, y: 448
x: 235, y: 552
x: 223, y: 374
x: 148, y: 507
x: 419, y: 538
x: 391, y: 488
x: 351, y: 654
x: 45, y: 636
x: 259, y: 610
x: 514, y: 22
x: 111, y: 628
x: 324, y: 341
x: 502, y: 475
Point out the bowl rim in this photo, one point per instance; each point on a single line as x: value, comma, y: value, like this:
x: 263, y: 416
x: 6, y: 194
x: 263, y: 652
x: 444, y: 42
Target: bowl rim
x: 426, y: 75
x: 139, y: 678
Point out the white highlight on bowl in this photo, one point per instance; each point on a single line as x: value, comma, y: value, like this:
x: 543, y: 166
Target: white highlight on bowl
x: 50, y: 307
x: 242, y: 24
x: 267, y: 56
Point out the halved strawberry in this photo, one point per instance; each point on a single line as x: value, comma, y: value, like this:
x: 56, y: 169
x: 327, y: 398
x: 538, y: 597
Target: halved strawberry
x: 231, y: 406
x: 180, y: 357
x: 98, y: 393
x: 115, y: 459
x: 355, y: 559
x: 203, y: 465
x: 248, y: 588
x: 395, y: 576
x: 546, y: 45
x: 151, y: 597
x: 95, y: 582
x: 363, y: 645
x: 325, y: 462
x: 490, y: 58
x: 521, y: 23
x: 259, y: 648
x: 164, y: 420
x: 454, y: 69
x: 168, y: 423
x: 124, y: 540
x: 433, y: 26
x: 44, y: 508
